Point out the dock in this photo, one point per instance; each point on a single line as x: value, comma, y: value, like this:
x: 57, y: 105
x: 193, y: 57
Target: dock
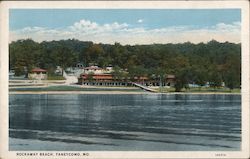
x: 143, y: 87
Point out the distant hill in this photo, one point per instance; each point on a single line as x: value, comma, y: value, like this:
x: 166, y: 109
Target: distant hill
x: 213, y: 62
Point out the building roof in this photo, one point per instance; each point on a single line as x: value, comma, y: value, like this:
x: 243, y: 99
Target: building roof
x: 93, y: 68
x: 170, y: 76
x: 98, y: 76
x: 38, y: 70
x: 141, y: 78
x: 110, y: 77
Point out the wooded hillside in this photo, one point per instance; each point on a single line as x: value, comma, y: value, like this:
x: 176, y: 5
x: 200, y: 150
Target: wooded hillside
x: 212, y: 62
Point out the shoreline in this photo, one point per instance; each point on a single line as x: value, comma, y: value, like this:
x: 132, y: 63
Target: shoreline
x: 117, y: 92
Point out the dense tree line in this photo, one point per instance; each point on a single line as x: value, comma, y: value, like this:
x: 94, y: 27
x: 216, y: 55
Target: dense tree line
x: 212, y: 62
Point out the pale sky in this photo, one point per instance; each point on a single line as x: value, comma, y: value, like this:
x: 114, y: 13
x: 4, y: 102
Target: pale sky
x: 126, y: 26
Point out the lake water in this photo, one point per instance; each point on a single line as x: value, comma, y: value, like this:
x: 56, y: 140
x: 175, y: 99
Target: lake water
x: 132, y: 122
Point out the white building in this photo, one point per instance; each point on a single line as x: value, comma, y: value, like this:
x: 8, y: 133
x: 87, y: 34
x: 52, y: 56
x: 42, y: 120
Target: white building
x: 97, y: 70
x: 38, y: 74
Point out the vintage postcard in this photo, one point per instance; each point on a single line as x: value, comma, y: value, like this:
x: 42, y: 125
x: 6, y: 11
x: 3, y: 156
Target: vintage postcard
x: 124, y: 79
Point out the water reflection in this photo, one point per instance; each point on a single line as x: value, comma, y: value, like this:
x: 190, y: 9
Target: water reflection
x: 211, y: 119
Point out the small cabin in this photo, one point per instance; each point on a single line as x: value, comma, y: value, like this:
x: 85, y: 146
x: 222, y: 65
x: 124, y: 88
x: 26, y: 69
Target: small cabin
x: 38, y: 74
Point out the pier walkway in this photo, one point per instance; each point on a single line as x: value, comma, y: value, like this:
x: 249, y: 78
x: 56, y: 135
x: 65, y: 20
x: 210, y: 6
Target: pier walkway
x: 143, y: 87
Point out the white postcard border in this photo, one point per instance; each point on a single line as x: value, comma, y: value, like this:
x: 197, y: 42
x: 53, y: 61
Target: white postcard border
x: 243, y: 5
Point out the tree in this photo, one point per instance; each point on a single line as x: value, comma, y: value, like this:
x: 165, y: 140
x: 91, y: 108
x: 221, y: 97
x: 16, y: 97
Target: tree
x: 94, y: 54
x: 231, y: 79
x: 90, y: 77
x: 215, y: 79
x: 232, y: 71
x: 119, y: 55
x: 212, y: 62
x: 24, y: 55
x: 136, y: 72
x: 200, y: 76
x: 181, y: 81
x: 65, y: 57
x: 117, y: 73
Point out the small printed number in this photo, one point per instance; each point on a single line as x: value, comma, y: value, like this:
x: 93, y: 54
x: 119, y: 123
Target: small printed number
x: 220, y: 154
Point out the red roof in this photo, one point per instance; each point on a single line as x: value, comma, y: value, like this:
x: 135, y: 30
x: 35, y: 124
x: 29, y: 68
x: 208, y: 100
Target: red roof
x: 110, y: 77
x: 99, y: 76
x: 38, y: 70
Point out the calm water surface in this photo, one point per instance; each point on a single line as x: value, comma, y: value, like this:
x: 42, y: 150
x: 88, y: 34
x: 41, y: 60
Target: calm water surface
x: 142, y: 122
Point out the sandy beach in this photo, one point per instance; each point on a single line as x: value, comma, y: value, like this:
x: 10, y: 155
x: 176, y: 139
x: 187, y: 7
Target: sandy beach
x: 83, y: 89
x: 114, y: 92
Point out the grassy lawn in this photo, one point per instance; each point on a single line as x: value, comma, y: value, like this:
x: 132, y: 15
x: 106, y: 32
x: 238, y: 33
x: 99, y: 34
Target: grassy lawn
x: 202, y: 90
x: 71, y: 88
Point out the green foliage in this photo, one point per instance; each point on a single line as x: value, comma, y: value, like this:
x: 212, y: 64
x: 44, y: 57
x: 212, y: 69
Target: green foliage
x: 94, y: 53
x: 90, y: 76
x: 55, y: 78
x: 136, y: 72
x: 182, y: 77
x: 232, y: 80
x: 24, y: 55
x: 119, y: 74
x: 212, y: 62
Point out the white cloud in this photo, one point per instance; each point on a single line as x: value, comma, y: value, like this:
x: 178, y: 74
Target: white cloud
x: 140, y: 20
x: 126, y: 34
x: 84, y: 24
x: 88, y: 27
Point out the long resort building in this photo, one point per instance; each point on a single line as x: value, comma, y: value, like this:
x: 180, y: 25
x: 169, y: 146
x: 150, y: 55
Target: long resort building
x: 108, y: 79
